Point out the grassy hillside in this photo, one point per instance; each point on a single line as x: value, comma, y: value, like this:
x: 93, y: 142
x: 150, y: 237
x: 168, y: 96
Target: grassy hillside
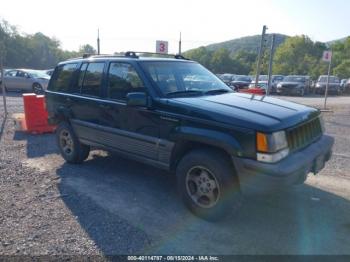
x: 248, y: 43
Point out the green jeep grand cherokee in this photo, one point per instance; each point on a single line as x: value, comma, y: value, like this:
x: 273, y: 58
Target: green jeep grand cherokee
x: 174, y: 114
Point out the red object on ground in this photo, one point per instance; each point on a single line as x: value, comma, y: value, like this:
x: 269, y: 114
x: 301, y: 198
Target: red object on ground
x: 36, y: 114
x: 256, y: 91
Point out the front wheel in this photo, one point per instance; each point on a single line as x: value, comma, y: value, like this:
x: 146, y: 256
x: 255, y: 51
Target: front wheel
x: 71, y: 149
x: 208, y: 184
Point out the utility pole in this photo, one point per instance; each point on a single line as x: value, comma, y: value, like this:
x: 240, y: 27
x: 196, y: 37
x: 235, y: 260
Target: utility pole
x: 259, y: 55
x: 98, y: 41
x: 180, y: 45
x: 272, y: 50
x: 329, y: 72
x: 2, y: 55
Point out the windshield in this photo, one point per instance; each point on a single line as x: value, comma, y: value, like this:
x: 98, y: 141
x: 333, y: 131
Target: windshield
x: 37, y: 74
x: 294, y: 79
x: 182, y: 78
x: 332, y: 79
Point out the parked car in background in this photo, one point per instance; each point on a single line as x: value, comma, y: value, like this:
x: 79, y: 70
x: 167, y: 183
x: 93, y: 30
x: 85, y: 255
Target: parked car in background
x: 240, y: 82
x: 333, y: 87
x: 275, y: 79
x: 26, y: 80
x: 294, y: 85
x: 347, y: 86
x: 342, y: 84
x: 227, y: 78
x: 261, y: 84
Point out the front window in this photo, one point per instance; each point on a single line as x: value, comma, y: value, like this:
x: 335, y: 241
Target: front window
x: 183, y: 78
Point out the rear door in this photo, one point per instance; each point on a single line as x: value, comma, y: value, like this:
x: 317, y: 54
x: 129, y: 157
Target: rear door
x: 85, y: 101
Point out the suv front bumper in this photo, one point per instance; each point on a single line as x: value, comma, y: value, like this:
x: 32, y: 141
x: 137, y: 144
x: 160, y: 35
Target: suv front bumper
x: 259, y: 177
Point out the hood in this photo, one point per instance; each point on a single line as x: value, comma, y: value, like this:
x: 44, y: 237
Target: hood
x: 290, y: 83
x: 255, y: 112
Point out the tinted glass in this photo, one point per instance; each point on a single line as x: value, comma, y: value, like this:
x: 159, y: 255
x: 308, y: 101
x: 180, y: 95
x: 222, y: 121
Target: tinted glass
x: 92, y: 79
x: 60, y: 80
x: 183, y: 77
x: 123, y: 79
x: 81, y: 75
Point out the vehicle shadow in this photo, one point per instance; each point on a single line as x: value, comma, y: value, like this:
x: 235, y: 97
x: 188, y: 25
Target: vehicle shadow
x: 129, y: 208
x: 37, y: 145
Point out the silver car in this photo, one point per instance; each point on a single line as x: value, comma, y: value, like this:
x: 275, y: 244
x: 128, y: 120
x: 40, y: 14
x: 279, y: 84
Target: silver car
x: 26, y: 80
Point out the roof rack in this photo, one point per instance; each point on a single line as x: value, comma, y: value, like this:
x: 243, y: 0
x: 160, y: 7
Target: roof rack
x: 134, y: 54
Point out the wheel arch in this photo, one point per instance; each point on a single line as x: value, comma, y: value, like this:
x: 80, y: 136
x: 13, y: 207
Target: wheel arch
x: 193, y: 138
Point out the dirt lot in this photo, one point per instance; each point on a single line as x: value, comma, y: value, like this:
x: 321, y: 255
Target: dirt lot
x: 110, y: 205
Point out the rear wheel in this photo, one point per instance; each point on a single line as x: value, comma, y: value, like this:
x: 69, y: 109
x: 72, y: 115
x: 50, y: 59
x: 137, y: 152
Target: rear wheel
x: 302, y: 92
x: 37, y: 88
x: 207, y: 184
x: 71, y: 149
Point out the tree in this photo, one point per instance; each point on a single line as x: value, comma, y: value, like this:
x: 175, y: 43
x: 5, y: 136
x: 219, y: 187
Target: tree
x: 86, y: 49
x: 299, y: 55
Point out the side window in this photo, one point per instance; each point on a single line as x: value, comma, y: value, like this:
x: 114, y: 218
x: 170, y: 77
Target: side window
x: 123, y: 79
x: 11, y: 73
x: 92, y: 79
x: 21, y: 74
x: 61, y: 78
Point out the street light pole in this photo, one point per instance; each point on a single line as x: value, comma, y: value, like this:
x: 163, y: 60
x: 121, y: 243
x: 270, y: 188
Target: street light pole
x: 326, y: 91
x: 272, y: 49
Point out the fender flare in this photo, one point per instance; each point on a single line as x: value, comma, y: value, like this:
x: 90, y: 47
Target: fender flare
x: 209, y: 137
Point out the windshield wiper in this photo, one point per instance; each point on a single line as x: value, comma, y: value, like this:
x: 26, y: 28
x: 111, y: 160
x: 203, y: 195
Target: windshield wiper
x: 185, y: 92
x: 217, y: 91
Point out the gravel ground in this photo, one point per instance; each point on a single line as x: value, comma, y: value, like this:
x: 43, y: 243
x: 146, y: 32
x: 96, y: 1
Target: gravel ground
x: 41, y: 211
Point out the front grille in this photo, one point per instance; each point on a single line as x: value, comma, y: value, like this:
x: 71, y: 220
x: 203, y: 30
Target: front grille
x: 304, y: 134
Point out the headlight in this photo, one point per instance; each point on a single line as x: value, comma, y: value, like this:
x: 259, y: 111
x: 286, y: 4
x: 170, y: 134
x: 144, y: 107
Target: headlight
x: 271, y: 147
x: 318, y: 85
x: 279, y: 85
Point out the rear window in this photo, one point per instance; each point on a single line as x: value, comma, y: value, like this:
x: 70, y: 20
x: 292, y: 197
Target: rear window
x: 61, y: 79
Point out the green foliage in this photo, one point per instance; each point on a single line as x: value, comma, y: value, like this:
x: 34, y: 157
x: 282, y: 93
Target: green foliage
x: 33, y: 51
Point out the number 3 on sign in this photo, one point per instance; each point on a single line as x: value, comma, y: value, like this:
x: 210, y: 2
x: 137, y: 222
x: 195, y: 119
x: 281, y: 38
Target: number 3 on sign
x: 162, y: 47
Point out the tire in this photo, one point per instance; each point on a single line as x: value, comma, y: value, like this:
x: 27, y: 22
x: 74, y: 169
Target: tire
x: 70, y: 147
x: 207, y: 184
x: 302, y: 92
x: 37, y: 88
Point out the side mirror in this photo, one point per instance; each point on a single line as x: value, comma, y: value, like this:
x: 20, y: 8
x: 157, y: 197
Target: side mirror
x: 137, y: 99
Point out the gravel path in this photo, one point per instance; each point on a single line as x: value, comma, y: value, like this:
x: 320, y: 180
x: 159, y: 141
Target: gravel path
x: 42, y: 212
x: 36, y: 216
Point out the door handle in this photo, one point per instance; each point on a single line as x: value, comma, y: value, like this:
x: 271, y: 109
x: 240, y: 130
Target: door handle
x: 69, y: 100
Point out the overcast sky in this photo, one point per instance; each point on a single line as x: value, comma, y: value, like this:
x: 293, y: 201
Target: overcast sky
x: 136, y: 24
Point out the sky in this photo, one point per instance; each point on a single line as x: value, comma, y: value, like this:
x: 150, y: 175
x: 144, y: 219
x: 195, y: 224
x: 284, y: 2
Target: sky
x: 136, y: 24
